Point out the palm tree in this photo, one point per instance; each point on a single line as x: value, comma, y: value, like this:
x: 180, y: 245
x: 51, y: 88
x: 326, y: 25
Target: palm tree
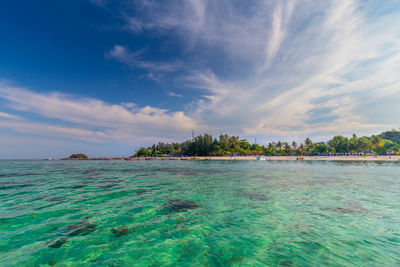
x: 308, y: 142
x: 294, y: 145
x: 301, y: 148
x: 287, y: 148
x: 279, y: 146
x: 270, y: 146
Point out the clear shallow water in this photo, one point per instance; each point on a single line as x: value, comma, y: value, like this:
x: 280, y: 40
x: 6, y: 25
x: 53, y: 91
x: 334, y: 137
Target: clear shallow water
x: 250, y: 213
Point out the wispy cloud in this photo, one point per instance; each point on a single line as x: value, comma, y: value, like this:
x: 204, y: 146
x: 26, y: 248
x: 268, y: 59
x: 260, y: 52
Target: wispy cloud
x: 309, y: 67
x: 9, y: 116
x: 269, y: 68
x: 134, y: 61
x: 94, y: 119
x: 44, y: 129
x: 174, y: 94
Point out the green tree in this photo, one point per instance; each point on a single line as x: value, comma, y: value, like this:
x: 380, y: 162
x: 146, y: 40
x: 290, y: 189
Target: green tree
x: 392, y: 135
x: 302, y: 149
x: 308, y: 144
x: 320, y: 148
x: 375, y: 141
x: 244, y: 144
x: 363, y: 144
x: 78, y: 156
x: 142, y: 152
x: 278, y: 146
x: 294, y: 145
x: 339, y: 143
x: 286, y: 148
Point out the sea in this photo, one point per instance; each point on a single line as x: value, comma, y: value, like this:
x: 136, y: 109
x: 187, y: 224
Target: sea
x: 199, y: 213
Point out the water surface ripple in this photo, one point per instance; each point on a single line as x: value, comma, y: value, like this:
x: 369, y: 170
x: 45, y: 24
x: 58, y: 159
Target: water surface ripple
x: 199, y: 213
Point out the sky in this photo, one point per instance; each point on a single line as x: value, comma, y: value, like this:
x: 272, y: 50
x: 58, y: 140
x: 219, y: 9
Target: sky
x: 105, y: 77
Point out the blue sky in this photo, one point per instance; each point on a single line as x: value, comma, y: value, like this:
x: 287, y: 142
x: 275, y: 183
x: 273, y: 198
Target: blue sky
x: 103, y: 77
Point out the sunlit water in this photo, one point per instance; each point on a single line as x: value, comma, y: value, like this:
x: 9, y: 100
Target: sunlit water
x: 246, y: 213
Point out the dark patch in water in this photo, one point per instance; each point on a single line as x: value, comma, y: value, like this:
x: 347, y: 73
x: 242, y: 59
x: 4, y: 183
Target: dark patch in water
x: 120, y: 231
x: 57, y: 199
x: 286, y: 263
x: 83, y: 228
x: 113, y: 181
x: 264, y: 177
x: 315, y: 181
x: 354, y: 207
x: 11, y: 185
x: 17, y: 174
x: 87, y: 217
x: 176, y: 205
x: 186, y: 172
x: 91, y: 171
x: 352, y: 210
x: 77, y: 186
x: 140, y: 191
x: 251, y: 195
x: 39, y: 197
x: 86, y: 177
x: 255, y: 196
x: 88, y: 182
x: 192, y: 172
x: 107, y: 186
x: 57, y: 242
x: 177, y: 171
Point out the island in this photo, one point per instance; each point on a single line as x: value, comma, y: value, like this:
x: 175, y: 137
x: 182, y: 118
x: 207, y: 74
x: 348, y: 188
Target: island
x: 381, y: 147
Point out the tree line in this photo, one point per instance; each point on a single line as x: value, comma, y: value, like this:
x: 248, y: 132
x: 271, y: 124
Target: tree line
x: 207, y: 145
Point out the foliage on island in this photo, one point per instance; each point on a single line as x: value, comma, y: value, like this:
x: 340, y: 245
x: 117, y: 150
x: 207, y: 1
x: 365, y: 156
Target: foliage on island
x: 78, y: 156
x: 206, y: 145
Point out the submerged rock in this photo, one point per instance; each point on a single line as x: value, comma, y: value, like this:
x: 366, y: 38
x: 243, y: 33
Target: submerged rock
x: 57, y: 242
x: 140, y: 191
x: 57, y: 199
x: 353, y: 210
x: 107, y: 186
x: 254, y: 196
x: 86, y: 217
x: 120, y: 231
x: 83, y: 228
x: 176, y: 205
x: 286, y: 263
x: 78, y: 186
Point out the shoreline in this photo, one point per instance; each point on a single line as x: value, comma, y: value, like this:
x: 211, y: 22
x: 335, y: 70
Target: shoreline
x: 264, y: 158
x: 307, y: 158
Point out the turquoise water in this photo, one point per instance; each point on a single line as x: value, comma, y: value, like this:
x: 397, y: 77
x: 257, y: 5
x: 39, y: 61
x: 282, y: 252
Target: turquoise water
x: 199, y: 213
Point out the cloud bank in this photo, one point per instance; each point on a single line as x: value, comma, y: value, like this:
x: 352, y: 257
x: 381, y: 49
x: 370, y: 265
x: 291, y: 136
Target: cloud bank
x: 263, y: 68
x: 91, y: 119
x: 309, y: 67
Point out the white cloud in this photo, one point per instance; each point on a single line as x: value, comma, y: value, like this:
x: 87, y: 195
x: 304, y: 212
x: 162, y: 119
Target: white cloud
x: 133, y: 60
x: 294, y: 68
x: 51, y: 131
x: 174, y: 94
x: 300, y: 57
x: 9, y: 116
x: 120, y: 123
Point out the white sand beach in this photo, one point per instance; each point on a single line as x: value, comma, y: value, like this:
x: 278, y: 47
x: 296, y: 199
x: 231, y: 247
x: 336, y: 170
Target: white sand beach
x: 320, y: 158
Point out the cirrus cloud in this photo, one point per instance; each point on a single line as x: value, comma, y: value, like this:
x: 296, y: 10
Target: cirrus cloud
x: 308, y: 68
